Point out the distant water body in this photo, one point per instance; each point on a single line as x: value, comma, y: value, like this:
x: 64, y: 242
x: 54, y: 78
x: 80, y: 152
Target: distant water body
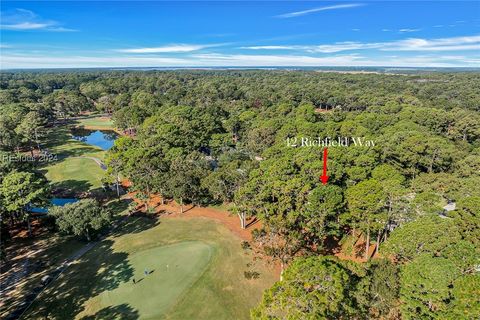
x: 99, y: 138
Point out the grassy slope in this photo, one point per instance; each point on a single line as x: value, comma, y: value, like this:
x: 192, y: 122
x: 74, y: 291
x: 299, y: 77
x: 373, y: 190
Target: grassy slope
x: 72, y: 171
x: 76, y: 173
x: 95, y: 122
x: 100, y: 285
x: 186, y: 262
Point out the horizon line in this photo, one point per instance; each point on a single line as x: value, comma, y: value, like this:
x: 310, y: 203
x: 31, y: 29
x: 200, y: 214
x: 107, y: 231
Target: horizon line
x: 241, y: 67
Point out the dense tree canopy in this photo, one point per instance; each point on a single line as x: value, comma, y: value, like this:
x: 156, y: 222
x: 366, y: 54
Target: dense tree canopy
x: 312, y: 288
x: 83, y: 218
x: 406, y: 146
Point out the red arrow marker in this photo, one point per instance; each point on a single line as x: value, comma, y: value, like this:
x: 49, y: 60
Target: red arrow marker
x: 324, y: 177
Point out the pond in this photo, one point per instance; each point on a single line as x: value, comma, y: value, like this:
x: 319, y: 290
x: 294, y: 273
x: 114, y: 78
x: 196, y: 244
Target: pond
x: 103, y: 139
x: 54, y: 202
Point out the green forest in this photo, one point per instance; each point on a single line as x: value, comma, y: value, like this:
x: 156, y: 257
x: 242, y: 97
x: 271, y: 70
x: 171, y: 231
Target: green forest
x: 393, y: 234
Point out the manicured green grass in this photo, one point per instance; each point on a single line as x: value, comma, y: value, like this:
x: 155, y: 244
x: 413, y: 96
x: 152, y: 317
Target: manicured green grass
x: 96, y: 122
x: 204, y: 279
x: 80, y: 174
x: 186, y: 262
x: 72, y: 170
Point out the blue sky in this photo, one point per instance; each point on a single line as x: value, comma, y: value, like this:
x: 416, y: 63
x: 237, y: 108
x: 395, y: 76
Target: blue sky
x: 45, y: 34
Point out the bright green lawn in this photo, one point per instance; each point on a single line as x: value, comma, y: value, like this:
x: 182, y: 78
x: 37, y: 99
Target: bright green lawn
x: 80, y: 174
x: 204, y: 279
x: 96, y: 122
x: 72, y: 170
x: 186, y: 262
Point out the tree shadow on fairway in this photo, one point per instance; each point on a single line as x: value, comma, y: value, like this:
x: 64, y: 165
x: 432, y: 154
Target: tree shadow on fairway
x: 99, y: 270
x: 136, y: 224
x: 45, y: 253
x: 76, y: 152
x: 120, y: 312
x: 117, y: 206
x: 57, y: 137
x: 62, y: 143
x: 70, y: 187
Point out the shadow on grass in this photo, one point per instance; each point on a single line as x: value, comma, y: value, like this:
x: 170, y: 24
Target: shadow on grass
x: 99, y: 270
x: 76, y: 152
x: 120, y: 312
x: 136, y: 224
x: 117, y: 206
x: 57, y: 137
x: 48, y: 252
x: 70, y: 187
x: 61, y: 138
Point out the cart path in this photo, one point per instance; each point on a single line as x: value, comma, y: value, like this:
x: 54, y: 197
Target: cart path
x: 97, y: 161
x: 30, y: 297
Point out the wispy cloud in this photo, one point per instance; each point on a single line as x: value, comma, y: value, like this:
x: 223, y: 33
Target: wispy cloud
x: 174, y: 48
x: 194, y: 60
x: 274, y: 47
x: 324, y: 48
x: 272, y: 60
x: 319, y: 9
x: 61, y: 29
x: 344, y: 46
x: 25, y: 26
x: 411, y: 44
x: 26, y: 20
x: 409, y: 30
x: 441, y: 44
x: 8, y: 61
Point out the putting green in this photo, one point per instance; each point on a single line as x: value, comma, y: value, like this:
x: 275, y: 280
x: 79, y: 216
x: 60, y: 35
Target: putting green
x: 205, y: 279
x: 174, y: 268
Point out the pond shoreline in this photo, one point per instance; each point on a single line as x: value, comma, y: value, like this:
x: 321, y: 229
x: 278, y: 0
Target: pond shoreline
x: 103, y: 139
x: 94, y: 122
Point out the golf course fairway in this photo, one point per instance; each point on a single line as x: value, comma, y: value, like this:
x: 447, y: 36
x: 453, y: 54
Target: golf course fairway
x: 171, y: 270
x: 205, y: 277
